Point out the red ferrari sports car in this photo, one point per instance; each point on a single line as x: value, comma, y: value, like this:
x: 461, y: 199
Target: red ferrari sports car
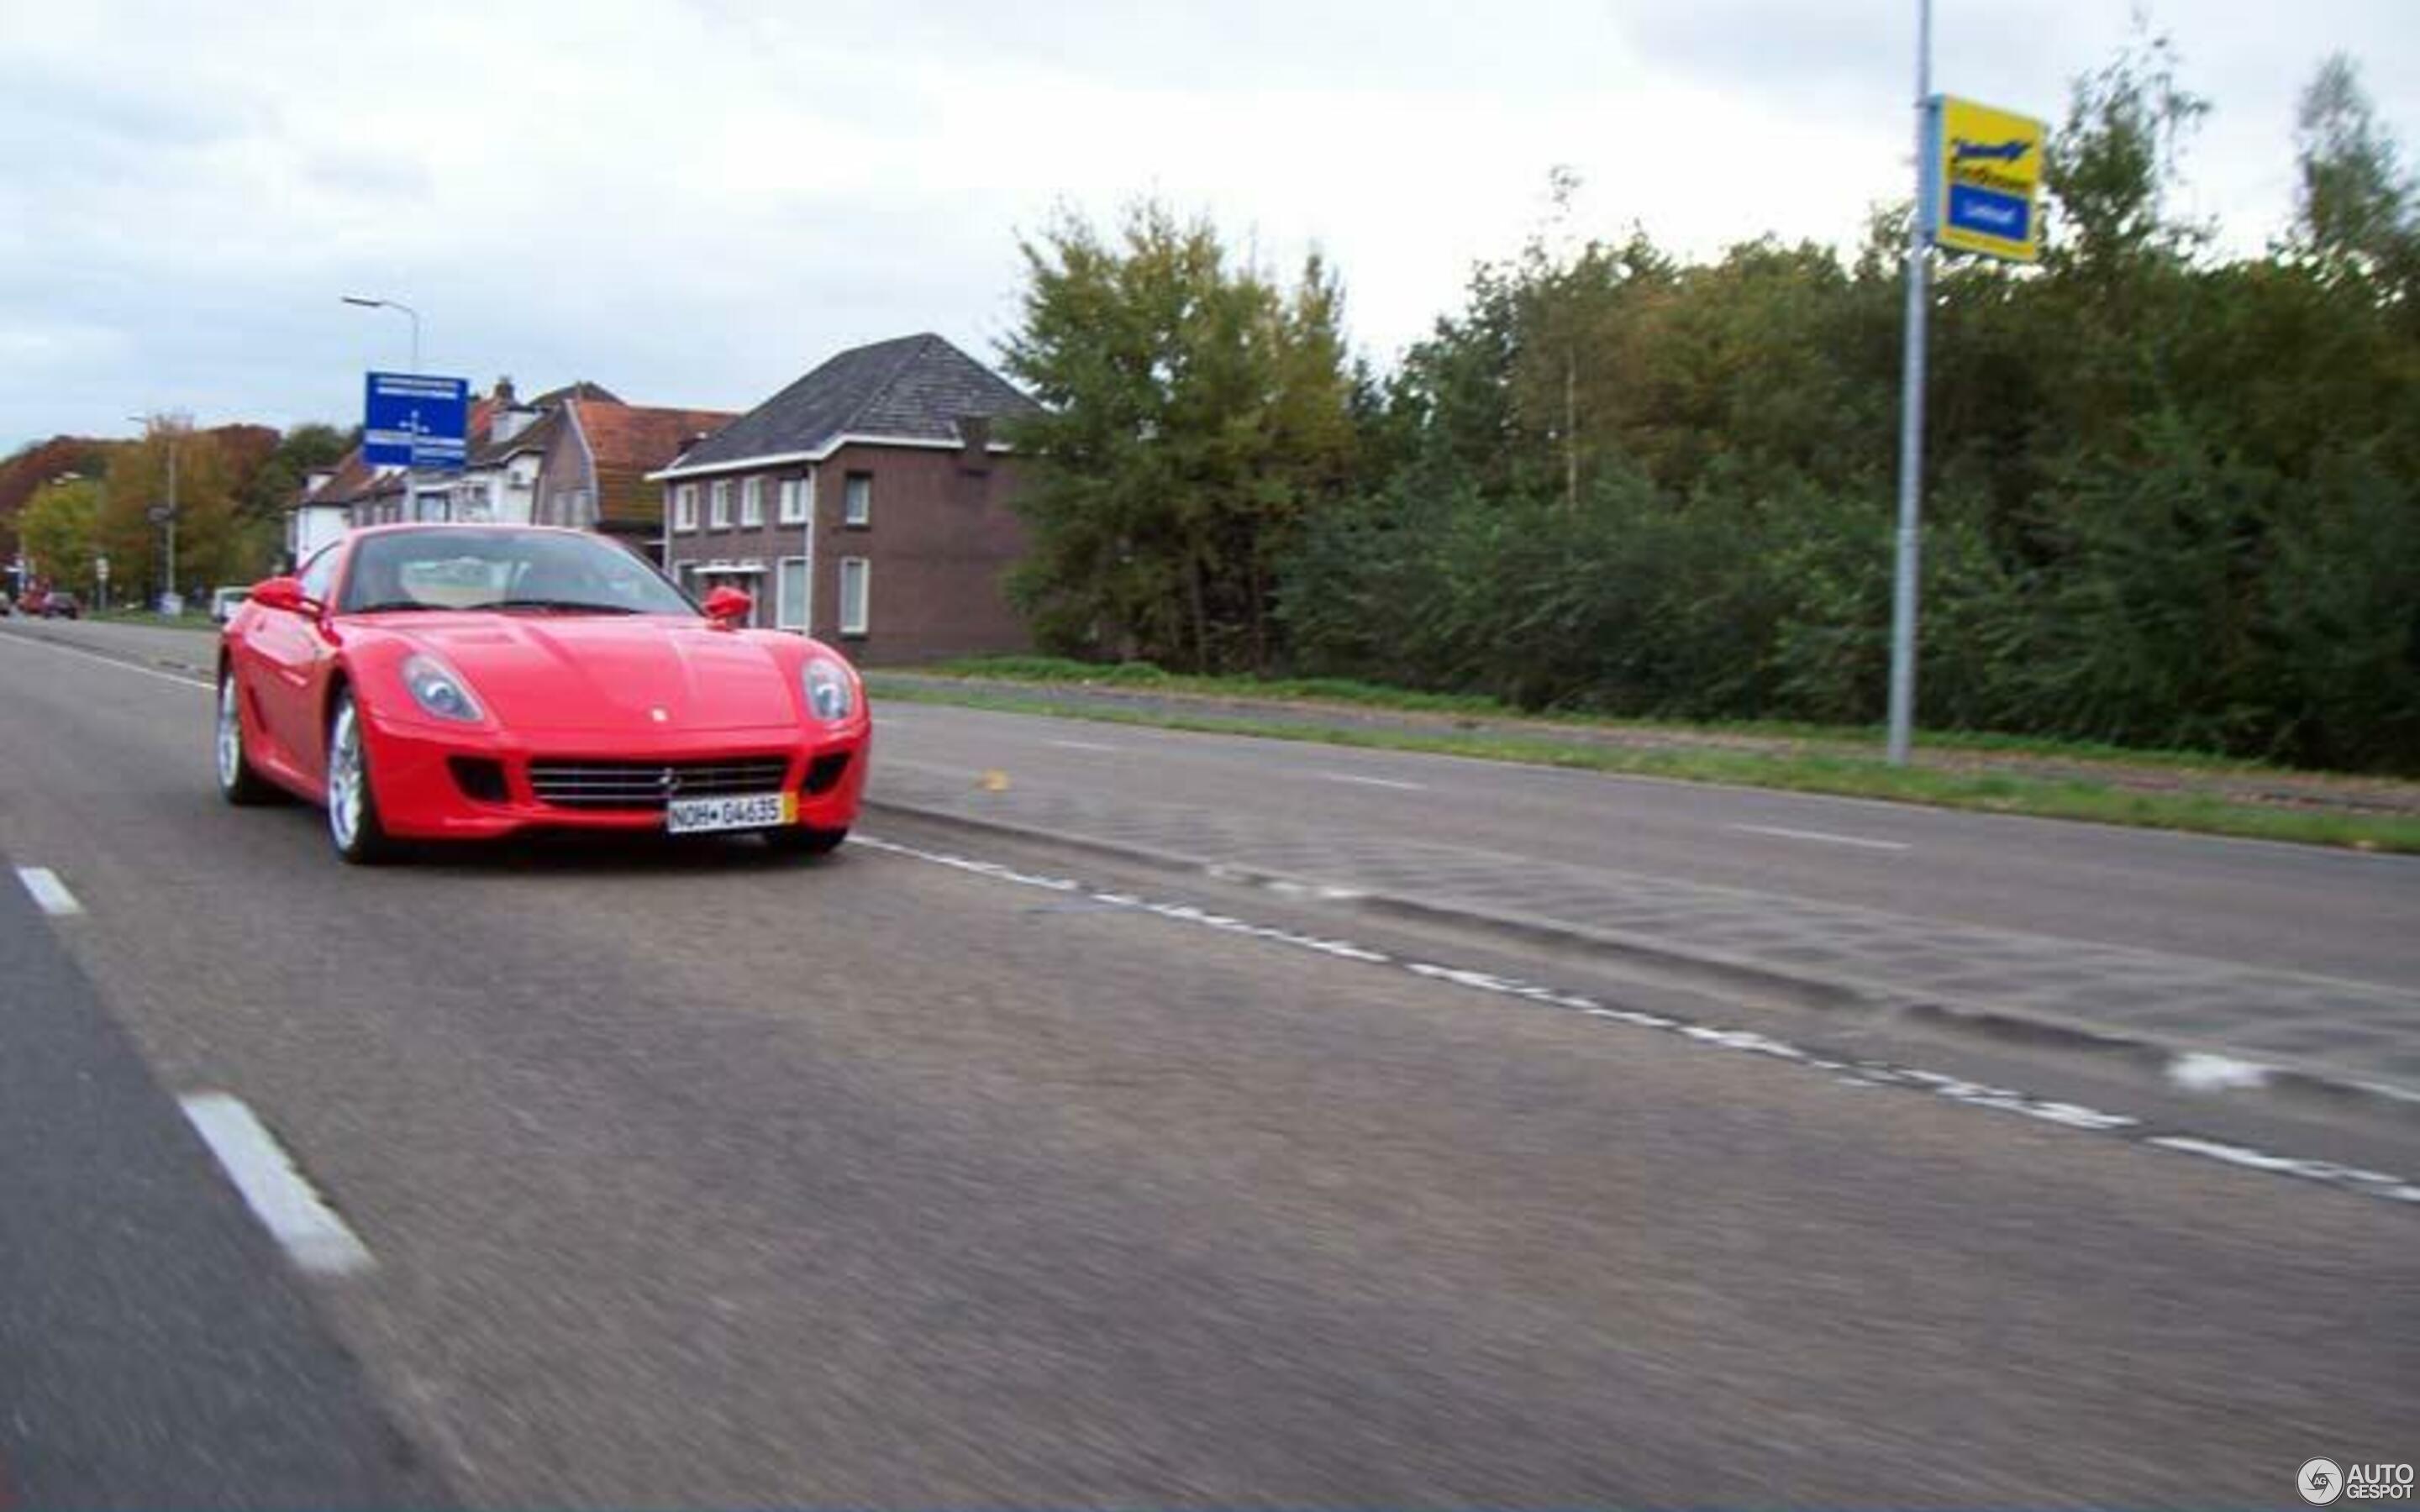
x: 468, y: 682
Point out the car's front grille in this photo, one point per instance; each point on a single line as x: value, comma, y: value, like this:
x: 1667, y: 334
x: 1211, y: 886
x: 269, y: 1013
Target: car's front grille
x: 586, y: 784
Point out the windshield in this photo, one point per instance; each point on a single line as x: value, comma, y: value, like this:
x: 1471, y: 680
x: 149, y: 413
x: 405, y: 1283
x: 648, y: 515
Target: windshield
x: 505, y: 569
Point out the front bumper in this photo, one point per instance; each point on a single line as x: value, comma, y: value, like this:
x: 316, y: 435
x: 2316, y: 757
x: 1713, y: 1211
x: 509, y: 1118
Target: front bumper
x: 416, y: 774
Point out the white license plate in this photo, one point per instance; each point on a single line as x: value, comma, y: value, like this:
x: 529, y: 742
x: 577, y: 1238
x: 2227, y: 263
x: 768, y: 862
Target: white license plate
x: 756, y: 811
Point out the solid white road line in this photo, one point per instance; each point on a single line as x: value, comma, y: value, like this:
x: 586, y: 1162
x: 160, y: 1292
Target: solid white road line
x: 112, y: 661
x: 278, y: 1194
x: 1861, y: 1073
x: 1371, y: 781
x: 49, y: 891
x: 1819, y: 835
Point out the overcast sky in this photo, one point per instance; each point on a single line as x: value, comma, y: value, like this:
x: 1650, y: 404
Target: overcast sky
x: 694, y: 201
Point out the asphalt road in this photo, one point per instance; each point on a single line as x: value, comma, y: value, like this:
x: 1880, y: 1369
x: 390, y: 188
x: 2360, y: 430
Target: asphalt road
x: 2287, y: 907
x: 690, y: 1178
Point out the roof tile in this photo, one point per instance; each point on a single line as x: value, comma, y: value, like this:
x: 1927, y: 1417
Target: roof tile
x: 913, y: 388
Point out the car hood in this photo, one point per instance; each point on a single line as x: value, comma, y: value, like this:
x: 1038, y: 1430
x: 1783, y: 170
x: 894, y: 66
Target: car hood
x: 569, y: 672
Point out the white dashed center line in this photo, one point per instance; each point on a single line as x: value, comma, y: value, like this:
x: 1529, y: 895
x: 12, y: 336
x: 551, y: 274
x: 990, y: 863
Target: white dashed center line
x: 1820, y: 836
x: 49, y: 891
x: 278, y: 1194
x: 1371, y: 781
x: 1083, y: 745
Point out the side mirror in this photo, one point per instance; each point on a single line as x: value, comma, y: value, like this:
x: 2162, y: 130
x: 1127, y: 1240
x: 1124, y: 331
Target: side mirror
x: 282, y: 593
x: 727, y: 607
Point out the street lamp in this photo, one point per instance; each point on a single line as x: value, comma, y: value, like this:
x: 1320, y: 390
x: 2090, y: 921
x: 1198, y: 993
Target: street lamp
x: 393, y: 305
x: 169, y: 517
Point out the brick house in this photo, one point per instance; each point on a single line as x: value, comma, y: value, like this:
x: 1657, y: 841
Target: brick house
x: 868, y: 503
x: 598, y: 453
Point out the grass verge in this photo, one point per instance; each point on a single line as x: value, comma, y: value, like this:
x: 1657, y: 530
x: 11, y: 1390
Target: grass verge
x: 2007, y: 793
x: 1047, y: 671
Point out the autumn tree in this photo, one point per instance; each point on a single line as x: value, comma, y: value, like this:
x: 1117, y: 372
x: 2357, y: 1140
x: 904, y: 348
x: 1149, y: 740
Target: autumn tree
x: 208, y: 548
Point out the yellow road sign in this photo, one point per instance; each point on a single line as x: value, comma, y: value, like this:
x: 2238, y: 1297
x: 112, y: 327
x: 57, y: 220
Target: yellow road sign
x: 1986, y: 175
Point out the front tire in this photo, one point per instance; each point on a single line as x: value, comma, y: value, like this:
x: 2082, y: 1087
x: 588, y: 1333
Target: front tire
x: 239, y: 784
x: 353, y: 824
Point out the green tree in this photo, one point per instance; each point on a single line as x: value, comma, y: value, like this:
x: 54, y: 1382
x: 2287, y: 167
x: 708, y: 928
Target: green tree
x: 2172, y: 496
x: 2111, y: 164
x: 1194, y: 414
x: 279, y: 478
x: 2354, y: 203
x: 261, y: 503
x: 58, y: 528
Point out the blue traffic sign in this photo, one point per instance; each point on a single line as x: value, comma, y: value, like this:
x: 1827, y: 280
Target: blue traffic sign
x: 410, y: 419
x: 1988, y: 212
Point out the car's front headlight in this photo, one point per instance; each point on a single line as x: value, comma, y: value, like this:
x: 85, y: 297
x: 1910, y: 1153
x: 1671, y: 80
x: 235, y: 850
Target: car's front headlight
x: 438, y: 689
x: 831, y: 691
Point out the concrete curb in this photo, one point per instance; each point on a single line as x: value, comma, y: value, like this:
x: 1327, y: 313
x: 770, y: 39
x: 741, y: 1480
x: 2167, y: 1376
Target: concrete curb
x: 2295, y: 1082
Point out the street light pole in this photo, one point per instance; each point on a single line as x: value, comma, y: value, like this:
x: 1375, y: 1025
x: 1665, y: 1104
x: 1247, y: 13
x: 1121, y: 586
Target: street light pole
x: 154, y: 428
x: 1911, y: 433
x: 393, y: 305
x: 171, y: 515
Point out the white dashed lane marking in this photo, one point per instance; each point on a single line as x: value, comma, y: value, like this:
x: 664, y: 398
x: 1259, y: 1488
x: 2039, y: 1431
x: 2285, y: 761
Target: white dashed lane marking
x: 1855, y: 1072
x: 279, y: 1195
x: 1819, y: 837
x: 1371, y: 781
x: 49, y: 892
x: 1084, y: 744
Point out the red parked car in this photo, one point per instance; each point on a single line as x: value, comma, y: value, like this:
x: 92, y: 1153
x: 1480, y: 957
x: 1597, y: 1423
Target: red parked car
x: 470, y: 682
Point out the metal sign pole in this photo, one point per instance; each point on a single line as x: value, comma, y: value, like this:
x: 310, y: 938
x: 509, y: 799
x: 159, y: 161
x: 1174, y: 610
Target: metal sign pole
x: 1911, y: 437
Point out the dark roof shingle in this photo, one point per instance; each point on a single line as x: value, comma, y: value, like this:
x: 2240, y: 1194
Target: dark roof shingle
x: 913, y: 388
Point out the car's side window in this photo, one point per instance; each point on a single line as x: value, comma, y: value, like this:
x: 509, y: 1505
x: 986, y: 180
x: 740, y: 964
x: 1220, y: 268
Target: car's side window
x: 319, y: 575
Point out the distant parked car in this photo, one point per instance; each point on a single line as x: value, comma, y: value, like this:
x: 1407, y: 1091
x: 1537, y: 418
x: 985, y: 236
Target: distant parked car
x: 61, y: 605
x: 223, y: 602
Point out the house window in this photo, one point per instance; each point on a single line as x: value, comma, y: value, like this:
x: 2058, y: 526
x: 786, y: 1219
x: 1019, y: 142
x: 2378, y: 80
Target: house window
x: 751, y: 580
x: 718, y: 508
x: 685, y: 507
x: 856, y: 500
x: 856, y: 595
x: 790, y: 593
x: 794, y: 501
x: 752, y: 503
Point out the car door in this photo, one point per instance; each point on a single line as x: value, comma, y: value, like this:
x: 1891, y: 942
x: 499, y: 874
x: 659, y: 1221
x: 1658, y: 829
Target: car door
x: 289, y: 655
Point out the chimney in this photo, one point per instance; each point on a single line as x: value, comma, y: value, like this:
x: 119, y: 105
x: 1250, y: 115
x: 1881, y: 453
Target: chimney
x: 510, y: 417
x: 974, y: 432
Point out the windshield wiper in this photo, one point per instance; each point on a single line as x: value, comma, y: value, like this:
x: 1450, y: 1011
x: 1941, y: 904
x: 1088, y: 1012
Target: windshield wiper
x: 567, y: 606
x: 391, y: 606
